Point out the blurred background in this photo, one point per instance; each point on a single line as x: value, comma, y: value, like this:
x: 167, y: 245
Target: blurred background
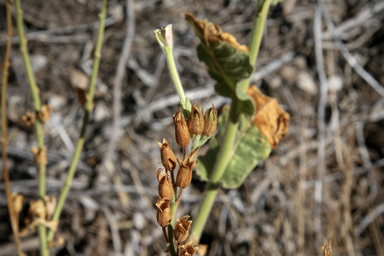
x: 323, y: 61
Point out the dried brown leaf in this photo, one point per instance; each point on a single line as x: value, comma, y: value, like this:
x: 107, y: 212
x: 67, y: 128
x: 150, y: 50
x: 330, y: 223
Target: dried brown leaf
x: 269, y: 118
x: 212, y: 33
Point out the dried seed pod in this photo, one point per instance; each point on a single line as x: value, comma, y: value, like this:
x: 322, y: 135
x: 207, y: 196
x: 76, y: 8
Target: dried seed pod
x: 168, y: 158
x: 188, y: 249
x: 181, y: 129
x: 164, y: 212
x: 210, y: 122
x: 196, y: 120
x: 45, y: 113
x: 40, y: 154
x: 165, y: 185
x: 29, y: 118
x: 191, y: 159
x: 184, y: 175
x: 182, y: 227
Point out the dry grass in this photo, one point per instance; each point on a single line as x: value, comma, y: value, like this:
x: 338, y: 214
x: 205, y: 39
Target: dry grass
x: 280, y: 210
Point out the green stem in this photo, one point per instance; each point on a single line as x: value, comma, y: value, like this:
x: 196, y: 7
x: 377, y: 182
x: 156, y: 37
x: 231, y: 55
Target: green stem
x: 257, y: 35
x: 219, y: 169
x: 88, y: 110
x: 176, y: 78
x: 38, y: 125
x: 230, y: 134
x: 171, y: 226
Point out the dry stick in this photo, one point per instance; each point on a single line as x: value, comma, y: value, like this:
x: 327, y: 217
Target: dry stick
x: 321, y: 120
x: 117, y: 83
x: 38, y: 125
x: 4, y: 139
x: 347, y: 55
x: 114, y: 231
x: 87, y: 109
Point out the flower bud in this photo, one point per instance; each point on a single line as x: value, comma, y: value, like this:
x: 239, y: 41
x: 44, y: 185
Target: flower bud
x: 184, y: 175
x: 181, y: 129
x: 168, y: 158
x: 164, y: 212
x: 182, y: 227
x: 188, y: 249
x: 164, y: 36
x: 165, y: 185
x: 196, y: 121
x: 210, y: 122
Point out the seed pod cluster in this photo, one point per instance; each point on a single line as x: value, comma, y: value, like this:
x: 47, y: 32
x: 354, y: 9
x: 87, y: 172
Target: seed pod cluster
x: 171, y: 184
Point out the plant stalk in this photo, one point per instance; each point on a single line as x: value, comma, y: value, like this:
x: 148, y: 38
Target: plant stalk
x: 230, y: 134
x: 88, y: 110
x: 171, y: 226
x: 257, y: 35
x: 38, y: 126
x: 219, y: 169
x: 175, y: 77
x: 4, y: 139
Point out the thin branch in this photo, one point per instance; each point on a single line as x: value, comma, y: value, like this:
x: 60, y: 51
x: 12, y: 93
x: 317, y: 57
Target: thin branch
x: 4, y: 139
x: 38, y: 124
x: 88, y: 110
x: 347, y: 55
x: 321, y: 117
x: 117, y: 83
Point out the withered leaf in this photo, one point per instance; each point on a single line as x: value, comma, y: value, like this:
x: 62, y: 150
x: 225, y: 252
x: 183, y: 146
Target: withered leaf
x: 213, y: 33
x: 269, y: 118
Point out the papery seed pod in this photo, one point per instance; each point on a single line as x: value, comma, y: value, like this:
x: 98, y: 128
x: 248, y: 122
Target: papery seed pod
x: 164, y: 212
x: 196, y: 121
x: 182, y: 227
x: 29, y: 118
x: 165, y: 186
x: 210, y: 122
x: 191, y: 159
x: 184, y: 175
x: 188, y: 250
x: 160, y: 174
x: 168, y: 158
x: 181, y: 129
x: 45, y: 113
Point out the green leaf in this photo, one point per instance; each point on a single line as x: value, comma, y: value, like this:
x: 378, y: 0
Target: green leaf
x: 250, y: 146
x: 227, y: 62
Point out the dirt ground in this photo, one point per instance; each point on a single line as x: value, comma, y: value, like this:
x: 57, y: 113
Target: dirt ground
x: 324, y: 181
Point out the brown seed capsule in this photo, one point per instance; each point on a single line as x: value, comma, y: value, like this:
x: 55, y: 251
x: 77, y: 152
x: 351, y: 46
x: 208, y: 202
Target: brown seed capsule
x: 181, y: 129
x: 29, y: 118
x: 165, y: 185
x: 191, y: 159
x: 168, y: 158
x: 182, y: 227
x: 40, y: 154
x: 184, y: 175
x: 196, y: 120
x: 210, y: 122
x: 45, y: 113
x: 188, y: 249
x: 164, y: 212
